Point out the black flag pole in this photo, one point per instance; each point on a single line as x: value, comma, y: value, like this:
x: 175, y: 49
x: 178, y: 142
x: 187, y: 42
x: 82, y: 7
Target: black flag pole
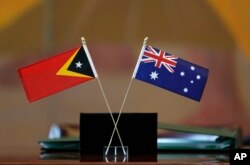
x: 126, y: 95
x: 102, y: 91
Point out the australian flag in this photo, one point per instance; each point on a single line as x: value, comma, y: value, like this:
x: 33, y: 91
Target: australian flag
x: 171, y: 73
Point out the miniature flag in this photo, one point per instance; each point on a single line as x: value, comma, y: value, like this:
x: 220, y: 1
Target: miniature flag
x: 171, y: 73
x: 57, y: 73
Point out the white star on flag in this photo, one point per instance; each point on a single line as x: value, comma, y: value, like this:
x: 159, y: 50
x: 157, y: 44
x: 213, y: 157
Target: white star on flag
x: 154, y: 75
x: 78, y: 64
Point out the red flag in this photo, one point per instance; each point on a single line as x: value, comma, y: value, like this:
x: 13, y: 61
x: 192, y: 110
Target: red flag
x: 57, y: 73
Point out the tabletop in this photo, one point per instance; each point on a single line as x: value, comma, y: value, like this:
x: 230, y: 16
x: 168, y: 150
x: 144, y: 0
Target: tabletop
x: 33, y: 155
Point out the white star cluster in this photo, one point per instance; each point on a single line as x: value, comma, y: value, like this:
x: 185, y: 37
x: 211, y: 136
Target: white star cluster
x: 198, y: 77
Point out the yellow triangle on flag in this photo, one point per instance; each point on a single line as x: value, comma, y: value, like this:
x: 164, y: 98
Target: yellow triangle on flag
x: 65, y: 72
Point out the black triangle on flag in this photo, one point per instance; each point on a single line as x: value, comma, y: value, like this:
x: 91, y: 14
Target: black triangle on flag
x: 80, y: 64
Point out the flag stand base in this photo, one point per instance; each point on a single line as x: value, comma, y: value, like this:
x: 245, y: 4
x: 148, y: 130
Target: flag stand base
x: 115, y: 154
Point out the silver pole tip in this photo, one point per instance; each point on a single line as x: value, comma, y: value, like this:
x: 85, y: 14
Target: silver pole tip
x: 83, y: 40
x: 145, y: 40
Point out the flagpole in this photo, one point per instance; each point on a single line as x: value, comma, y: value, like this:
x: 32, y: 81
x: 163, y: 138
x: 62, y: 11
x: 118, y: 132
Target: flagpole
x: 141, y: 53
x: 126, y: 95
x: 102, y: 91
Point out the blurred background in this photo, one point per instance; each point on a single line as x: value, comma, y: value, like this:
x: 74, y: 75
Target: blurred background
x: 213, y: 34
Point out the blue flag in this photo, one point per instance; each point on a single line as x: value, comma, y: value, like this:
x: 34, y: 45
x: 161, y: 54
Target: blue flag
x: 169, y: 72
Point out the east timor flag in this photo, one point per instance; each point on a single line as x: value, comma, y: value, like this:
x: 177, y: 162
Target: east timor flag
x: 57, y: 73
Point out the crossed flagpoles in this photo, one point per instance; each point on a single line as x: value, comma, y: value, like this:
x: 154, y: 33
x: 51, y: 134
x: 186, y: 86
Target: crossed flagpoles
x: 123, y: 103
x: 105, y: 98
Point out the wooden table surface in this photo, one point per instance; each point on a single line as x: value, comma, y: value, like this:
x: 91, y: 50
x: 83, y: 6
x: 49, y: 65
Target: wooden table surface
x: 24, y: 155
